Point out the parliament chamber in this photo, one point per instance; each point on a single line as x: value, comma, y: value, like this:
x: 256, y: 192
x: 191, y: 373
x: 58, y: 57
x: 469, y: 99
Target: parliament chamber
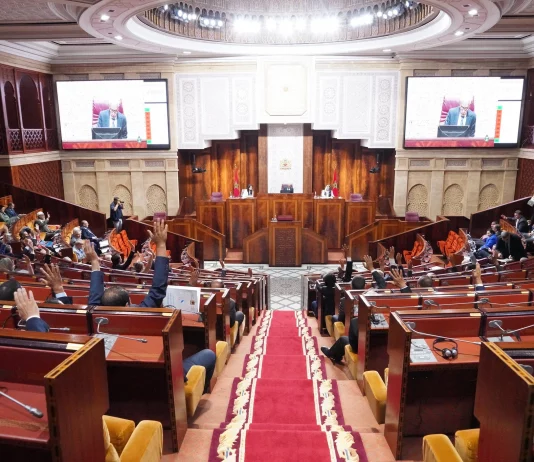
x: 268, y: 231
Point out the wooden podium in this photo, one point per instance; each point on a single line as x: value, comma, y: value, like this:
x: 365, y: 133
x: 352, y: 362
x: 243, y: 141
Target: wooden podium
x: 285, y: 243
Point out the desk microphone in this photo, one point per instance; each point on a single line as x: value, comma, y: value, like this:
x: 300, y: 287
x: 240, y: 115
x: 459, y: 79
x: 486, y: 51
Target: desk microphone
x: 104, y: 321
x: 429, y: 303
x: 484, y: 301
x: 411, y: 326
x: 32, y: 410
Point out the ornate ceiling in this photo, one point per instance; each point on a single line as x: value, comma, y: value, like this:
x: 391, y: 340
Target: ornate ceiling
x: 144, y: 29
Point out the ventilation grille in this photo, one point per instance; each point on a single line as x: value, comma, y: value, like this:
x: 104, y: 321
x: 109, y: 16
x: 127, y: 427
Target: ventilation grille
x: 154, y: 163
x: 420, y: 163
x: 85, y: 164
x: 456, y: 163
x: 425, y: 72
x: 113, y: 76
x: 119, y: 163
x: 492, y: 163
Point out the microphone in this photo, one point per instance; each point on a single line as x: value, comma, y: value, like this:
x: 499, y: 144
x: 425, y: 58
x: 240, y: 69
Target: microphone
x: 63, y: 329
x: 411, y: 326
x: 104, y: 321
x: 429, y: 303
x: 32, y: 410
x: 485, y: 300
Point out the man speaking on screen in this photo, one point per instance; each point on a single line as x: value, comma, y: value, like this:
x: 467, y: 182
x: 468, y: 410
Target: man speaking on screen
x: 462, y: 116
x: 112, y: 118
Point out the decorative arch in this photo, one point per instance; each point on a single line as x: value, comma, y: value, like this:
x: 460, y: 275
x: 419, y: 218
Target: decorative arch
x: 418, y: 200
x: 488, y: 197
x: 453, y: 201
x: 88, y: 197
x: 156, y: 199
x: 125, y: 195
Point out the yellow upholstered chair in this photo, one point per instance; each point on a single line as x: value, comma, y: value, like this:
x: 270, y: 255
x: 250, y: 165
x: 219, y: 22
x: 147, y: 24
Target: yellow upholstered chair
x: 222, y: 353
x: 194, y: 388
x: 124, y: 442
x: 234, y: 331
x: 438, y: 448
x: 329, y: 325
x: 351, y: 359
x: 376, y: 393
x: 466, y: 443
x: 339, y: 329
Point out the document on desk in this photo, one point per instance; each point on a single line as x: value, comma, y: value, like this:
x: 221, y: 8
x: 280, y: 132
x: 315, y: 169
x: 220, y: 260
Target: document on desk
x: 420, y: 352
x: 109, y: 341
x: 505, y: 338
x: 379, y: 322
x: 183, y: 298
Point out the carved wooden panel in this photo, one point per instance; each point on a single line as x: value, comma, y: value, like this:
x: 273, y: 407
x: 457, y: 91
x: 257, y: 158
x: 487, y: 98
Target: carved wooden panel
x: 212, y: 214
x: 241, y: 216
x: 329, y: 221
x: 285, y: 243
x: 358, y: 215
x: 256, y: 247
x: 263, y: 211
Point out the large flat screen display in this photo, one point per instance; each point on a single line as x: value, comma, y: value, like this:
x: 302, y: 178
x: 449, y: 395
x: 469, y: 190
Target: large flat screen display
x: 114, y: 114
x: 463, y: 112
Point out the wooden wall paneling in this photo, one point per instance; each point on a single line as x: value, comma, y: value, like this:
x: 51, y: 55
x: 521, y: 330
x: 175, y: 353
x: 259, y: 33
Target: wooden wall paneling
x: 44, y: 178
x: 329, y: 220
x: 262, y: 160
x: 212, y: 214
x: 481, y: 220
x: 314, y: 247
x: 263, y: 211
x: 285, y: 241
x: 358, y: 215
x: 306, y: 212
x: 344, y: 156
x: 285, y: 204
x: 322, y: 150
x: 524, y: 185
x: 358, y: 241
x: 389, y: 228
x: 241, y: 221
x: 308, y: 160
x: 387, y: 174
x: 256, y: 247
x: 249, y: 159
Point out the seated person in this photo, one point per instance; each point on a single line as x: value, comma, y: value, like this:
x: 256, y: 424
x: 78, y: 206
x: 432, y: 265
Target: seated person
x: 78, y: 250
x: 142, y: 265
x: 41, y: 225
x: 510, y: 246
x: 118, y: 296
x: 327, y: 192
x: 29, y: 312
x: 357, y: 283
x: 327, y: 290
x: 88, y: 234
x: 235, y: 315
x: 51, y: 275
x: 11, y: 211
x: 117, y: 261
x: 486, y: 250
x: 337, y: 350
x: 76, y: 234
x: 8, y: 266
x: 4, y: 217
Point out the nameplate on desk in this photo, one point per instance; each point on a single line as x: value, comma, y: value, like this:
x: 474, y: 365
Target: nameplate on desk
x: 420, y: 352
x: 505, y: 338
x: 74, y: 346
x: 109, y: 341
x: 379, y: 322
x: 81, y: 311
x: 168, y: 315
x: 8, y: 306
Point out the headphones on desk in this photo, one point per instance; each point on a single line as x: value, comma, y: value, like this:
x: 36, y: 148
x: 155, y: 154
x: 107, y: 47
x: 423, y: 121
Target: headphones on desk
x: 447, y: 353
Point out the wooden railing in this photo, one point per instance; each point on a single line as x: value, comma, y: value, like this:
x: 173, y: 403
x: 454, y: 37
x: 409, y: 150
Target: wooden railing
x: 214, y: 243
x: 481, y: 221
x: 66, y: 231
x: 26, y: 220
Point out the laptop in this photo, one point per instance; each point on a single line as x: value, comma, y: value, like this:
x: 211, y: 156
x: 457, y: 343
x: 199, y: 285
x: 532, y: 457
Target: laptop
x: 453, y: 131
x: 106, y: 133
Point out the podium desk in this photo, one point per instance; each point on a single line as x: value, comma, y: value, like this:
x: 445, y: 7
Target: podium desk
x: 285, y: 243
x: 64, y: 377
x: 330, y: 220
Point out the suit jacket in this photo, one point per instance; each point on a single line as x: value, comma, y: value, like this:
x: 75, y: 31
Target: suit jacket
x: 381, y: 282
x: 88, y: 234
x: 233, y: 312
x: 65, y: 300
x: 115, y: 215
x: 453, y: 118
x: 328, y: 299
x: 353, y: 334
x: 37, y: 325
x: 43, y: 226
x: 348, y: 272
x: 103, y: 121
x: 522, y: 225
x: 155, y: 295
x: 516, y: 250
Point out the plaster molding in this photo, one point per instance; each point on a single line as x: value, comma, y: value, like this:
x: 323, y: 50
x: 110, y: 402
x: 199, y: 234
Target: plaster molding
x: 16, y: 160
x: 526, y: 154
x: 118, y: 155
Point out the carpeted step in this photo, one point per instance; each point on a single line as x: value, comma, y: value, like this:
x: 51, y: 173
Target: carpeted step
x: 284, y: 367
x: 288, y: 446
x: 284, y: 345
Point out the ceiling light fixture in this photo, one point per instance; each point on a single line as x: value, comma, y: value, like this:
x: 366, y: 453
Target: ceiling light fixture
x: 458, y: 33
x: 185, y: 52
x: 165, y: 7
x: 104, y: 17
x: 473, y: 12
x: 387, y: 50
x: 118, y: 37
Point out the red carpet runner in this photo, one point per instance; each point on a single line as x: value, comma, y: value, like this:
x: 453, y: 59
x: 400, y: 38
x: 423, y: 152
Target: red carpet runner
x: 283, y: 408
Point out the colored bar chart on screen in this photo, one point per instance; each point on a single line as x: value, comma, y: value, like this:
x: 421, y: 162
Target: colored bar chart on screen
x: 498, y: 124
x: 148, y: 126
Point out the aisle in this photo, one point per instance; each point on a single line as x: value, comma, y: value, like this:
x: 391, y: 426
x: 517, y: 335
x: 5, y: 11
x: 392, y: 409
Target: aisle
x: 284, y: 408
x: 279, y: 399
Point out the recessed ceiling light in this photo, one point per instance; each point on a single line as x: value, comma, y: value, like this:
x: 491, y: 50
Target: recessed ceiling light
x: 118, y: 37
x: 104, y: 17
x: 386, y: 50
x: 458, y: 33
x: 186, y: 52
x: 472, y: 12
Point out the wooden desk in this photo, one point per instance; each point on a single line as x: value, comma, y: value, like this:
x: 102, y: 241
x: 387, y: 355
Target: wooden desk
x: 358, y: 215
x: 329, y: 220
x: 48, y: 368
x: 212, y: 214
x: 241, y: 221
x: 285, y: 243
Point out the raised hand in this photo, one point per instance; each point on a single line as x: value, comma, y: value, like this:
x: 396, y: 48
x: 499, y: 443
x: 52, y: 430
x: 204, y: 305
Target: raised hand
x: 26, y: 304
x: 221, y: 261
x: 398, y: 257
x: 345, y: 249
x: 52, y: 277
x: 398, y: 279
x: 368, y: 262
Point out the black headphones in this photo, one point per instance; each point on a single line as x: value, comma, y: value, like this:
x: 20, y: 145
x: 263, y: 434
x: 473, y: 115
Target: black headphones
x: 447, y: 353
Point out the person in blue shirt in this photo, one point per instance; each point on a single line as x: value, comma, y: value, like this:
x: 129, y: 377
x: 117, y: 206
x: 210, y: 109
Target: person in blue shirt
x: 486, y: 250
x: 115, y: 213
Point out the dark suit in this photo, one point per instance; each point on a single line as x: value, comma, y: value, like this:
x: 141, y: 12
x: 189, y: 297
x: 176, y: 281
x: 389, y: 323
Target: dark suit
x: 104, y: 118
x: 235, y: 315
x: 337, y: 350
x: 453, y: 118
x: 515, y: 249
x: 88, y: 234
x: 155, y: 295
x: 521, y: 224
x: 36, y: 325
